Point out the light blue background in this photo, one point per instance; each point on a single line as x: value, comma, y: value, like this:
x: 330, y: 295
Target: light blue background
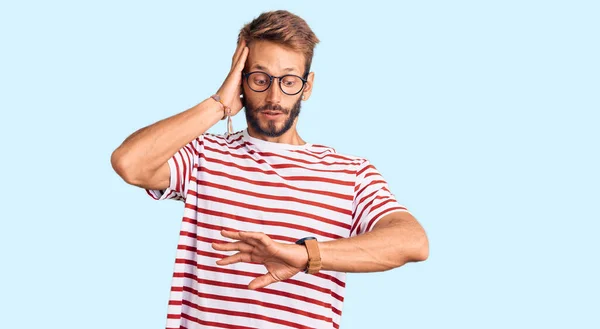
x: 482, y: 115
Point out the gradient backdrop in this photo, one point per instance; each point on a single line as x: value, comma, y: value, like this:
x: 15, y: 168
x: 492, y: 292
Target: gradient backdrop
x: 482, y: 115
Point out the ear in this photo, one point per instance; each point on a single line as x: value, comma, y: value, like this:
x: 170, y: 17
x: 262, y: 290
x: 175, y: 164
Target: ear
x: 308, y: 86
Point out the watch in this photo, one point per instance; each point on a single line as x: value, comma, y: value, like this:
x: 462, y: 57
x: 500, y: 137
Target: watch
x: 314, y: 256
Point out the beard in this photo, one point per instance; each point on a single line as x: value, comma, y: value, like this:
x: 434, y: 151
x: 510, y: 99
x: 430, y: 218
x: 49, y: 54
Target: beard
x: 268, y: 128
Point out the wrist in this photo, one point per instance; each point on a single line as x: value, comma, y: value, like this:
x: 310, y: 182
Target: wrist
x: 225, y: 110
x: 313, y: 265
x: 211, y: 109
x: 303, y: 252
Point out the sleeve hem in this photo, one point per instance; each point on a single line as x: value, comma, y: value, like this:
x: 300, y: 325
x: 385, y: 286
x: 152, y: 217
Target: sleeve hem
x: 375, y: 220
x: 166, y: 193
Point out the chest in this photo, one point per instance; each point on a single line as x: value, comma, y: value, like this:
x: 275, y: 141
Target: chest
x: 275, y: 194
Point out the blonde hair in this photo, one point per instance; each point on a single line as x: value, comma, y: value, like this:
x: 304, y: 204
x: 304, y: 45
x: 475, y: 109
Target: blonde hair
x: 283, y: 28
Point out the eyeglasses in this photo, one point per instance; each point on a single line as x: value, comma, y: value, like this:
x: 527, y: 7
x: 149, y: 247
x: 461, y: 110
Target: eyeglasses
x: 290, y: 84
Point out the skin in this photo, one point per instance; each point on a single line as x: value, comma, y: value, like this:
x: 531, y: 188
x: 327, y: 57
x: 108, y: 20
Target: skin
x: 141, y: 160
x: 275, y: 60
x: 370, y: 252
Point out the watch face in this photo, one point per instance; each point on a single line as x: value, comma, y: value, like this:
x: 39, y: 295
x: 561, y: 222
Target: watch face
x: 301, y: 241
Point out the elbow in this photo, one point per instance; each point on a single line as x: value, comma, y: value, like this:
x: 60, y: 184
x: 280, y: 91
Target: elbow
x: 417, y: 251
x: 421, y: 249
x: 122, y: 166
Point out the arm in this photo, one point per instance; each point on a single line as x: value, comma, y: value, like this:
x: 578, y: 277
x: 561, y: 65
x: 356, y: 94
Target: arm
x: 141, y: 159
x: 394, y: 241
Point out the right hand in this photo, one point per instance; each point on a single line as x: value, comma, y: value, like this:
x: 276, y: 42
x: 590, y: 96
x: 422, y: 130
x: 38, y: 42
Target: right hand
x: 231, y: 89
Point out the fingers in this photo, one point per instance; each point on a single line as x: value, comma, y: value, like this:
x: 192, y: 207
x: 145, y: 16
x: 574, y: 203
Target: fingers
x: 231, y: 234
x: 237, y: 236
x: 240, y: 257
x: 263, y: 281
x: 238, y: 52
x: 230, y: 90
x: 239, y: 66
x: 256, y: 236
x: 254, y: 239
x: 233, y: 246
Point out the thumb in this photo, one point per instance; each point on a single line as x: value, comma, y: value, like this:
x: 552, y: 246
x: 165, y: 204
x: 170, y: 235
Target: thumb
x: 263, y: 281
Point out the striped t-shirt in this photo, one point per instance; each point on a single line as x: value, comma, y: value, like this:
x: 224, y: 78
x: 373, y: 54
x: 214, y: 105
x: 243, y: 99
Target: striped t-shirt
x: 288, y: 192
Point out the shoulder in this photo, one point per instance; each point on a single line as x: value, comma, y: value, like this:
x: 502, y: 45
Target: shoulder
x: 329, y: 153
x: 360, y: 164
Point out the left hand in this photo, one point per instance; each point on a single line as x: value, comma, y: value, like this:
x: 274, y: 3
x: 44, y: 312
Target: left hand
x: 282, y: 261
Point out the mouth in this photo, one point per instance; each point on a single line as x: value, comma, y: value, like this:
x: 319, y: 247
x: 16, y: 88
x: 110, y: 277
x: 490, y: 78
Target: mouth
x: 272, y: 114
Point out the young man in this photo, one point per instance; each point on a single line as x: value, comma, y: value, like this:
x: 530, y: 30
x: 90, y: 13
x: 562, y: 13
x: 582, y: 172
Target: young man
x: 271, y: 223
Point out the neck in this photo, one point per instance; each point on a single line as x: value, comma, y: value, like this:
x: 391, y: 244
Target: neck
x: 289, y: 137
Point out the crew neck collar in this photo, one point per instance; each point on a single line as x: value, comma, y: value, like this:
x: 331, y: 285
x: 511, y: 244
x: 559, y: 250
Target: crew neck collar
x: 262, y: 144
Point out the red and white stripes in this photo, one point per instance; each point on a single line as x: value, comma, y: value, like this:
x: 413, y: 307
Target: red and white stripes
x: 288, y: 192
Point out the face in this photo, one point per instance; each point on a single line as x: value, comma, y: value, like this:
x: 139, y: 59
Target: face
x: 272, y: 113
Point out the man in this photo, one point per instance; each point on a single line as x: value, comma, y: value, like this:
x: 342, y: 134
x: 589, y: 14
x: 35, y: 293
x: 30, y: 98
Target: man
x: 271, y: 223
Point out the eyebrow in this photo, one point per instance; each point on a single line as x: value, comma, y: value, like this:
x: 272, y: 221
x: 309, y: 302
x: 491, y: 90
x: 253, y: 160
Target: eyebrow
x: 260, y: 67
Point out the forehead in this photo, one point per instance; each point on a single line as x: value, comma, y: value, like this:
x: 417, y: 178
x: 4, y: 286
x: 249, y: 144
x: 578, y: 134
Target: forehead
x: 273, y: 58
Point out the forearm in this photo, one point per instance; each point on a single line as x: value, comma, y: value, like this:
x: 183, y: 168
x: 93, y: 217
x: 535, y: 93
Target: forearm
x: 395, y: 240
x: 384, y: 248
x: 146, y: 150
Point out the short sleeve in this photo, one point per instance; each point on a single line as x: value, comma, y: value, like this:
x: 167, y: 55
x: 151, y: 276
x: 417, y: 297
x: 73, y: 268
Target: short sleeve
x: 372, y: 199
x: 181, y: 165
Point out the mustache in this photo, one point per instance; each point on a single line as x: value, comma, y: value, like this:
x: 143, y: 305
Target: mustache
x: 273, y: 107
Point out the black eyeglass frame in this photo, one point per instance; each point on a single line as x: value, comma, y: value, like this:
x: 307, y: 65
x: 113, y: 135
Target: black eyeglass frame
x: 245, y: 75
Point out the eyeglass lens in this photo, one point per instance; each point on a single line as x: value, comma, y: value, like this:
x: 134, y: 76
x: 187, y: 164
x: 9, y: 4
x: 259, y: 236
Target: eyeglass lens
x: 290, y: 84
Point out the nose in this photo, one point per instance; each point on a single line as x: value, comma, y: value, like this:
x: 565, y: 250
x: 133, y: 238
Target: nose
x: 274, y: 92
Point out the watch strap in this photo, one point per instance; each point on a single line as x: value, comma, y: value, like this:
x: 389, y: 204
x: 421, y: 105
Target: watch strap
x: 314, y: 255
